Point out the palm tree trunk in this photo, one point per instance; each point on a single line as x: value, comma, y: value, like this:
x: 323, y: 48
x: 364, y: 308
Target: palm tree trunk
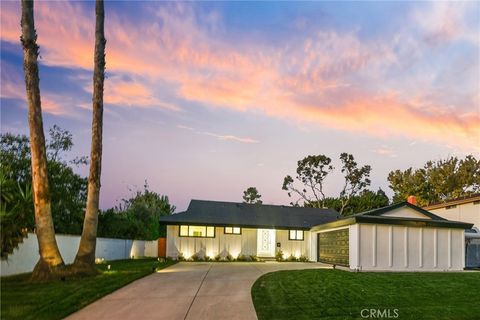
x: 50, y: 261
x: 85, y: 258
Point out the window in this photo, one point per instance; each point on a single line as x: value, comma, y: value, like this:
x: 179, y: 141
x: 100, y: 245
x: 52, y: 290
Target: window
x: 295, y: 235
x: 197, y: 231
x: 233, y: 230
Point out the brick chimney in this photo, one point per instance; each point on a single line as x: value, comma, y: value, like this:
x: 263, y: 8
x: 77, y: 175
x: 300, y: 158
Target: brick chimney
x: 412, y: 200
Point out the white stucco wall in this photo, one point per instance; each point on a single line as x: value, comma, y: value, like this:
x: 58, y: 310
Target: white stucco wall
x: 245, y: 243
x: 401, y: 248
x: 467, y: 212
x: 26, y: 255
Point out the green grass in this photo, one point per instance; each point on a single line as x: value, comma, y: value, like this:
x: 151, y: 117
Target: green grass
x: 336, y: 294
x: 21, y: 299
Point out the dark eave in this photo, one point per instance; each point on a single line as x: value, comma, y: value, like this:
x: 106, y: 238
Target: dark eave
x: 394, y: 221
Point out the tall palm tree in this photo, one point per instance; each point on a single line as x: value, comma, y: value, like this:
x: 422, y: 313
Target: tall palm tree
x: 50, y: 262
x: 85, y: 258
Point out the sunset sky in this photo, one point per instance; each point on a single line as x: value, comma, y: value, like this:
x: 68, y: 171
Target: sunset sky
x: 205, y: 99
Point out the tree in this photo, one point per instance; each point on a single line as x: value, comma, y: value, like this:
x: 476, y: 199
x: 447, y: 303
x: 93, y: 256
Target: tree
x: 67, y: 189
x: 50, y: 262
x: 356, y: 179
x: 437, y: 181
x: 311, y: 172
x: 85, y: 258
x: 251, y: 195
x: 364, y: 201
x: 137, y: 217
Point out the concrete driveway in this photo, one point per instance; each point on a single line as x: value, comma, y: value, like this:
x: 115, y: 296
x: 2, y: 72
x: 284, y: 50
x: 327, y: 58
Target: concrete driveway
x: 189, y: 290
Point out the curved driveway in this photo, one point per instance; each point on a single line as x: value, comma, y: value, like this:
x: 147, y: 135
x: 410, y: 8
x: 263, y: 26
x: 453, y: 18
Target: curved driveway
x: 188, y: 290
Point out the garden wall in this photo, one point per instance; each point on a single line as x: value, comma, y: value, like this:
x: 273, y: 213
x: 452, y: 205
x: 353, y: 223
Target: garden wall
x: 25, y: 256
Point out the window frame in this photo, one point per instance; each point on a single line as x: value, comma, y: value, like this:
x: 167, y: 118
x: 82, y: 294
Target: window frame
x: 202, y: 237
x: 296, y: 235
x: 232, y: 233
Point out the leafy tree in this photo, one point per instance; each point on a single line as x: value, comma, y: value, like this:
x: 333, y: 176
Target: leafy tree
x: 311, y: 172
x: 67, y: 189
x: 437, y: 181
x: 356, y: 179
x: 137, y: 217
x: 251, y: 195
x: 50, y: 261
x: 364, y: 201
x: 85, y: 259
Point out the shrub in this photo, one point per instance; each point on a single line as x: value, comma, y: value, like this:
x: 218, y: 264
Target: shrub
x: 292, y: 258
x: 254, y: 258
x: 303, y: 258
x: 229, y: 257
x: 180, y: 257
x: 242, y: 257
x: 217, y: 257
x: 279, y: 255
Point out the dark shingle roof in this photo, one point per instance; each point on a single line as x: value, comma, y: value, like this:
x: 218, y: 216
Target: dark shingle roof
x: 251, y: 215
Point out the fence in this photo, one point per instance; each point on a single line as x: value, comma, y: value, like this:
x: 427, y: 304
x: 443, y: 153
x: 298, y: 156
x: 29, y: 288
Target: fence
x: 26, y: 255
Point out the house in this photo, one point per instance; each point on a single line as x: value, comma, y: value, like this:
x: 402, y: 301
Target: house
x: 464, y: 209
x: 400, y: 237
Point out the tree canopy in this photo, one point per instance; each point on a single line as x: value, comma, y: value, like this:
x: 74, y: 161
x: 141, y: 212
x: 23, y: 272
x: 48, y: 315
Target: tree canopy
x: 311, y: 174
x: 437, y: 181
x: 67, y: 188
x: 251, y: 195
x: 137, y: 217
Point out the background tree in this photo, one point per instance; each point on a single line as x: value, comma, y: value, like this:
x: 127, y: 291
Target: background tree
x: 50, y: 260
x: 356, y: 179
x: 251, y: 195
x: 85, y: 258
x: 364, y: 201
x: 311, y: 173
x: 67, y: 188
x: 437, y: 181
x: 137, y: 217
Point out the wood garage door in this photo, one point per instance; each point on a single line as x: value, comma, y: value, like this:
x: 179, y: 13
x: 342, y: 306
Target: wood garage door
x: 333, y: 247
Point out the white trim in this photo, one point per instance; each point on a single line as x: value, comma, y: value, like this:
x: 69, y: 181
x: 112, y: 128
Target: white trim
x: 405, y: 245
x: 449, y: 248
x: 420, y: 247
x: 390, y: 246
x: 435, y: 248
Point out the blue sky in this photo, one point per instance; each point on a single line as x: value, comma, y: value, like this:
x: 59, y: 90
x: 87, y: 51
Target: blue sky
x: 205, y: 99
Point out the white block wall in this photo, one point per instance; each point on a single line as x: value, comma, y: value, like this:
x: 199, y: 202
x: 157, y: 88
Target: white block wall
x: 401, y: 248
x: 26, y: 255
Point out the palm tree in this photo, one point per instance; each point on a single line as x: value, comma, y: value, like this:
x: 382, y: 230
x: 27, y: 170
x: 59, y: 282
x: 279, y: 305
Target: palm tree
x: 85, y: 259
x: 50, y: 262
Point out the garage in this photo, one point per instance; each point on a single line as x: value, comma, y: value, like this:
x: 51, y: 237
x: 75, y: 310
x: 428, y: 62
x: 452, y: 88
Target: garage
x: 333, y: 247
x: 400, y: 237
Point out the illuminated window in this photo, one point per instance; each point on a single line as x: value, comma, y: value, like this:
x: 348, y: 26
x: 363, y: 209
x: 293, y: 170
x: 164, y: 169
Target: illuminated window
x: 233, y: 230
x: 295, y: 235
x: 197, y: 231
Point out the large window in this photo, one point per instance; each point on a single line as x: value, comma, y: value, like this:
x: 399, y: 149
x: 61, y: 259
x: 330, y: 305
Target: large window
x: 197, y: 231
x: 233, y: 230
x: 295, y: 235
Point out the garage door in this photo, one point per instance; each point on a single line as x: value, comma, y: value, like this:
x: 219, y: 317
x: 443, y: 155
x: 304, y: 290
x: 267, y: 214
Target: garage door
x: 333, y: 247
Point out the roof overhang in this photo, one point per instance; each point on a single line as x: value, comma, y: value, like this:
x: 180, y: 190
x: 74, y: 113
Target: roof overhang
x: 409, y: 222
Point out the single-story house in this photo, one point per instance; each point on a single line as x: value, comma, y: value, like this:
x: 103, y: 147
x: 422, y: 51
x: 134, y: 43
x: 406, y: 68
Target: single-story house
x: 400, y: 237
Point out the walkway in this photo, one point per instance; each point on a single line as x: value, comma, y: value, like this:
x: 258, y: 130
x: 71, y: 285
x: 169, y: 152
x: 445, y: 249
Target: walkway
x: 188, y: 290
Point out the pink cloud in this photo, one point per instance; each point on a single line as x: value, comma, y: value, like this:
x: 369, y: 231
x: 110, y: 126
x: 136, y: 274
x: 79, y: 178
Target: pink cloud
x: 309, y: 80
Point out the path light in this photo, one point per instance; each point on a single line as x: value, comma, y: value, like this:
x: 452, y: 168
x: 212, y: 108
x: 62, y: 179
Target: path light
x: 108, y: 267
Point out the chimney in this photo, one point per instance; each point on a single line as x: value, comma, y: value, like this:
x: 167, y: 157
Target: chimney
x: 412, y: 200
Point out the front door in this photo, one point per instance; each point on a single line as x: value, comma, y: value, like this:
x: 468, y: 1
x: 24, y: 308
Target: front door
x: 265, y: 242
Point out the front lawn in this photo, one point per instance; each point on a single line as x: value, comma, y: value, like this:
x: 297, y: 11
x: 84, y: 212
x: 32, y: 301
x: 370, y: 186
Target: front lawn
x: 21, y: 299
x: 336, y: 294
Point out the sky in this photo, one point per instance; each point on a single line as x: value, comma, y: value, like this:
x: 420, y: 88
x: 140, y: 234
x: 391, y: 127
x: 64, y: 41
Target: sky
x: 205, y: 99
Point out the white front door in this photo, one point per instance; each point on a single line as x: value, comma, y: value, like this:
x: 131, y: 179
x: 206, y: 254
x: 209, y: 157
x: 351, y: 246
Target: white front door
x: 265, y: 242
